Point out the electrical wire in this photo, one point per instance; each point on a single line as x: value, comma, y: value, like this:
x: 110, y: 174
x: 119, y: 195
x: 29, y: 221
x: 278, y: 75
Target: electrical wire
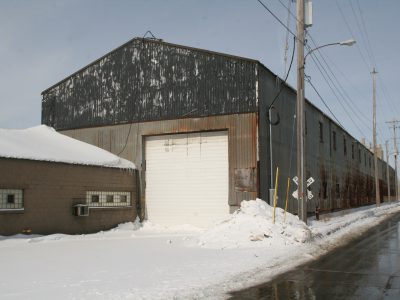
x: 386, y: 95
x: 323, y: 101
x: 342, y: 92
x: 352, y: 34
x: 360, y: 22
x: 362, y: 34
x: 287, y: 38
x: 287, y: 75
x: 335, y: 94
x: 279, y: 20
x: 338, y: 86
x: 126, y: 141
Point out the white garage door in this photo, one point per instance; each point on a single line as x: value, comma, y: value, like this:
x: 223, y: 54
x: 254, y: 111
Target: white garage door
x: 187, y: 178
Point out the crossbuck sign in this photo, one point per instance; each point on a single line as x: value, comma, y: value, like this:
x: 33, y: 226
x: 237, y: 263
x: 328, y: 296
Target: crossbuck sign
x: 309, y: 182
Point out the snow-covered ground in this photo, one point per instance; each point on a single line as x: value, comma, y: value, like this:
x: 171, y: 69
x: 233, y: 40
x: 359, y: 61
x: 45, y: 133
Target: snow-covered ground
x: 146, y: 261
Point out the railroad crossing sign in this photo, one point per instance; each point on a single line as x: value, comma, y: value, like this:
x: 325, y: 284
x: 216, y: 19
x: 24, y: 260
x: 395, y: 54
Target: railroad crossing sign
x: 309, y: 193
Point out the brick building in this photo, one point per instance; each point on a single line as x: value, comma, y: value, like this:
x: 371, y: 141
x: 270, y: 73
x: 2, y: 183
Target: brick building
x: 55, y: 184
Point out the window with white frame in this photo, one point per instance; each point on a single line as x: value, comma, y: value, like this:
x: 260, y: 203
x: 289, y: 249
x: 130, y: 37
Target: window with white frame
x: 11, y: 199
x: 108, y: 199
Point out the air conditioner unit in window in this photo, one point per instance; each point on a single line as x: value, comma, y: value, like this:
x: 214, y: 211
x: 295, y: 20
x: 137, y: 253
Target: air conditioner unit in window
x: 80, y: 210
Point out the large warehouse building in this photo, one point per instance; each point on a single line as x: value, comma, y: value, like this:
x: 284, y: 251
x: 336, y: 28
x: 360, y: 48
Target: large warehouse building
x: 194, y: 123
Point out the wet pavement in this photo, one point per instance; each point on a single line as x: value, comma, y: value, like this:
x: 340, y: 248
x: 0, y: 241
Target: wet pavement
x: 367, y: 268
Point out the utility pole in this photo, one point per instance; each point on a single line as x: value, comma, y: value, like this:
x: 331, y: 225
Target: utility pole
x: 302, y: 188
x: 387, y: 169
x: 377, y: 194
x: 272, y: 188
x: 396, y: 153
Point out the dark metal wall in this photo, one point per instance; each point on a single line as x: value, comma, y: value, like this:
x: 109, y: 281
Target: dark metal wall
x: 147, y: 80
x: 341, y: 169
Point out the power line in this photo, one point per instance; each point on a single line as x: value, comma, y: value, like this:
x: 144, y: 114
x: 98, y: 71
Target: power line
x: 341, y: 91
x: 351, y: 32
x: 333, y: 91
x: 323, y: 101
x: 386, y: 96
x: 365, y: 28
x: 287, y: 38
x: 287, y: 75
x: 327, y: 77
x: 276, y: 18
x: 363, y: 35
x: 320, y: 67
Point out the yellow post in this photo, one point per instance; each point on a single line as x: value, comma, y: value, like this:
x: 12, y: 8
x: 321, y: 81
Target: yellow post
x: 276, y: 188
x: 287, y: 195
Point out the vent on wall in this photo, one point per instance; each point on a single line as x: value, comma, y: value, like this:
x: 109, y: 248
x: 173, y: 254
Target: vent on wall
x: 80, y: 210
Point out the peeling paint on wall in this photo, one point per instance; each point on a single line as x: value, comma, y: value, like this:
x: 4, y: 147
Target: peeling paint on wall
x: 146, y: 80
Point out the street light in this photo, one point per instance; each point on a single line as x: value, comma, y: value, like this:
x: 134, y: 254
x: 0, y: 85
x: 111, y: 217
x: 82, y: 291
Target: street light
x: 301, y: 157
x: 349, y: 42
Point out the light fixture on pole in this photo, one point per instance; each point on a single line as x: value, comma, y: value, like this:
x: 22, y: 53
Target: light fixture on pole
x: 349, y: 42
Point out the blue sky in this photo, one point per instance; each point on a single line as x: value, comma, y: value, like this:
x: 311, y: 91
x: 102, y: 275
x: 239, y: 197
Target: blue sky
x: 44, y: 41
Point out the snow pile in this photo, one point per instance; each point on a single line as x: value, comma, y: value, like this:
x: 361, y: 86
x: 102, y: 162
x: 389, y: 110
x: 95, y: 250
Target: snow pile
x: 45, y: 144
x: 128, y: 226
x: 252, y: 226
x: 343, y: 222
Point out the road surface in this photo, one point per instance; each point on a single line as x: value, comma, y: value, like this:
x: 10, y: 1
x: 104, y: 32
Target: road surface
x: 367, y: 268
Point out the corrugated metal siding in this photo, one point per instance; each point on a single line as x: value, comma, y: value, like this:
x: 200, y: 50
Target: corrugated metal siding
x: 146, y: 80
x: 242, y: 137
x: 340, y: 180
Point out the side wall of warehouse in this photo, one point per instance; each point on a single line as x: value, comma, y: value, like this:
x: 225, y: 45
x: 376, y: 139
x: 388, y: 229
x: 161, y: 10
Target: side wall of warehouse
x: 342, y: 167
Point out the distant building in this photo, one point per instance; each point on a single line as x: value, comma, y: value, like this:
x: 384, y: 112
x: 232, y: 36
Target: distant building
x: 195, y: 123
x: 51, y: 183
x: 379, y: 149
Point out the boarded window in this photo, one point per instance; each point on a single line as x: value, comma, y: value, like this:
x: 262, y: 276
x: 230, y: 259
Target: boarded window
x: 337, y: 190
x: 246, y: 180
x: 321, y: 132
x: 324, y: 189
x: 334, y: 140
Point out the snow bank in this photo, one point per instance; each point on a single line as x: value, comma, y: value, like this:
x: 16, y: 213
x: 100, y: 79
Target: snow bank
x: 346, y: 221
x: 45, y: 144
x: 252, y: 226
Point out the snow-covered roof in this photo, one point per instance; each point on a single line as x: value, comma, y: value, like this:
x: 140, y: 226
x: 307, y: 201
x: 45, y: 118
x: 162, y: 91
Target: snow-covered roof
x: 45, y: 144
